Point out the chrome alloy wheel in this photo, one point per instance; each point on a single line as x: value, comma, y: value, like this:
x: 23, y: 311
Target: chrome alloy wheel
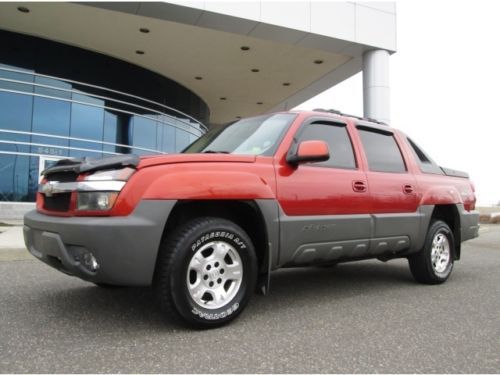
x: 214, y: 275
x: 440, y: 252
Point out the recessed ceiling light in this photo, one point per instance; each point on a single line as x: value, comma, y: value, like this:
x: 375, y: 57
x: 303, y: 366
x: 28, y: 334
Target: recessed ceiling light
x: 139, y: 52
x: 144, y: 30
x: 318, y: 62
x: 222, y: 98
x: 244, y: 48
x: 259, y: 103
x: 198, y: 78
x: 286, y: 83
x: 23, y: 9
x: 255, y: 70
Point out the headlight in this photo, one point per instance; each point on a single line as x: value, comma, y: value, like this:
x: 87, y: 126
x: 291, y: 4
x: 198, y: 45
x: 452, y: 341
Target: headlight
x: 96, y: 200
x: 108, y: 184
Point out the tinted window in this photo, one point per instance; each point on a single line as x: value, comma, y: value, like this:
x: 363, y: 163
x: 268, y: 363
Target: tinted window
x: 382, y: 151
x: 425, y: 163
x: 339, y: 144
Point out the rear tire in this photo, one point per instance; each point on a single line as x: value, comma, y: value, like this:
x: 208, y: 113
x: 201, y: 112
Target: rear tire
x: 206, y: 272
x: 434, y: 263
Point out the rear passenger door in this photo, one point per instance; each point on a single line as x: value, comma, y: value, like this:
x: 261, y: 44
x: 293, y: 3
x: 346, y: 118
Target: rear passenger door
x: 323, y: 203
x: 392, y: 190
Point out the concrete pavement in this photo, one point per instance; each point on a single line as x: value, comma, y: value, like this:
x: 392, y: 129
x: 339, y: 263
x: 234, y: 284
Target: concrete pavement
x: 362, y: 317
x: 12, y: 241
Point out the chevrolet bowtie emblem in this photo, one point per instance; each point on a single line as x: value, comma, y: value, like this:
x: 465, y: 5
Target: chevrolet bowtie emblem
x: 48, y: 188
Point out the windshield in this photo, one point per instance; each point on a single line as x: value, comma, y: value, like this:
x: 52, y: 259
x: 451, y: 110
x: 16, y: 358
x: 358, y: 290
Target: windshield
x: 253, y: 136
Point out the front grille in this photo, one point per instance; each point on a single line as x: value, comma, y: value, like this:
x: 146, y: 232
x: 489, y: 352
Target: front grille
x: 57, y: 202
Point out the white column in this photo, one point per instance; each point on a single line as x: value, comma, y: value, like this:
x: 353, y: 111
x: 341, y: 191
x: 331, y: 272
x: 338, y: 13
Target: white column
x: 376, y: 91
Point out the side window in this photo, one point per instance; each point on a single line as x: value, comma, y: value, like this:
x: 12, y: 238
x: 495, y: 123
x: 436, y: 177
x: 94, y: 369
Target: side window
x: 426, y: 164
x: 339, y: 143
x: 382, y: 151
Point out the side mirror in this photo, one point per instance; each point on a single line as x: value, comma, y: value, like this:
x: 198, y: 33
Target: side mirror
x: 309, y: 151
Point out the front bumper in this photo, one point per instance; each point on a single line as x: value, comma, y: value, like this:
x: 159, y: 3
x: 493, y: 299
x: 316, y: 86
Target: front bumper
x: 125, y: 247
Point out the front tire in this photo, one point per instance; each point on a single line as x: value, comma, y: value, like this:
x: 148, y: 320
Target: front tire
x: 206, y: 272
x: 434, y: 263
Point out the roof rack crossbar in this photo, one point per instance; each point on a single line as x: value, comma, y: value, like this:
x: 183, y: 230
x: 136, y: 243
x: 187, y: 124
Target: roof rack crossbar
x: 337, y: 112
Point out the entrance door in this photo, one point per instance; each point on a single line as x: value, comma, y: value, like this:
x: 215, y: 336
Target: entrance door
x: 44, y: 163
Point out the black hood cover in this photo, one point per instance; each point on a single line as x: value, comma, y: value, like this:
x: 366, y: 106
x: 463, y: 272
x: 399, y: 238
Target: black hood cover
x: 86, y: 164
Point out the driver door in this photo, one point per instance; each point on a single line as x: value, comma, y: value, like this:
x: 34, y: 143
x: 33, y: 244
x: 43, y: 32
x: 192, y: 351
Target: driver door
x: 325, y: 205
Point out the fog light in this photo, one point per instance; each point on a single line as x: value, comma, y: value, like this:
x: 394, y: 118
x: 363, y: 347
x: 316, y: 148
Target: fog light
x: 90, y: 262
x: 84, y: 257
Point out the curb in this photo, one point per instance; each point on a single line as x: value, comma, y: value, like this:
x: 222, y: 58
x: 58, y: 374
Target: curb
x: 13, y: 254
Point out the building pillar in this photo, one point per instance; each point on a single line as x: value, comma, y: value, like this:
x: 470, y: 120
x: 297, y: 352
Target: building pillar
x: 376, y: 91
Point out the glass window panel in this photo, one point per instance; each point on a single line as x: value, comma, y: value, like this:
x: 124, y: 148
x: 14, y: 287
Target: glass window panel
x: 192, y: 138
x: 12, y: 142
x: 15, y: 111
x: 33, y: 178
x: 339, y: 143
x: 382, y: 151
x: 110, y: 131
x: 144, y: 133
x: 181, y: 140
x: 15, y: 174
x: 41, y: 145
x: 52, y: 87
x: 168, y: 139
x: 81, y: 97
x: 15, y: 76
x: 50, y: 117
x: 85, y: 152
x: 86, y: 122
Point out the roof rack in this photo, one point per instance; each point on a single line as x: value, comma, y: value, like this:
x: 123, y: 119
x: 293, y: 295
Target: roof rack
x: 337, y: 112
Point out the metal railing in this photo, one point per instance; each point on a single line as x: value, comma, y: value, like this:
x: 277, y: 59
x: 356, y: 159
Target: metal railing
x: 180, y: 116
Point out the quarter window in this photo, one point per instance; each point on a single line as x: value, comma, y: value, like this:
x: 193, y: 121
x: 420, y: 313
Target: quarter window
x: 339, y: 143
x: 382, y: 151
x: 426, y: 164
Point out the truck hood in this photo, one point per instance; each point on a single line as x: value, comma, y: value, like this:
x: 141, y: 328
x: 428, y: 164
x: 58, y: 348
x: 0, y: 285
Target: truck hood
x: 148, y: 161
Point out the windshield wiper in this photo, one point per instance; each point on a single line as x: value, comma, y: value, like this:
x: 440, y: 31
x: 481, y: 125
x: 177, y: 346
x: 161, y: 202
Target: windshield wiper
x: 215, y: 152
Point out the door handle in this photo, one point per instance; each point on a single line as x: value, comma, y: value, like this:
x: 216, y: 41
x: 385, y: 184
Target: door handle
x: 408, y: 189
x: 359, y: 186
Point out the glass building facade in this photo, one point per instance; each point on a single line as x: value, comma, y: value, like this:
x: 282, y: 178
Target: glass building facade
x: 58, y: 101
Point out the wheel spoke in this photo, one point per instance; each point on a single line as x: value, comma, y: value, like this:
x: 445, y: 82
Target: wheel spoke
x: 197, y: 290
x: 219, y: 295
x: 220, y: 251
x: 233, y: 272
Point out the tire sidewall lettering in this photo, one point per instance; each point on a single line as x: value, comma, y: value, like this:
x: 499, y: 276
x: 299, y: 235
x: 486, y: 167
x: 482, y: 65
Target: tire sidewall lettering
x: 218, y: 235
x: 216, y: 315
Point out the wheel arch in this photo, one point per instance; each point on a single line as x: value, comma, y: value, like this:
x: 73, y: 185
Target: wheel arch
x: 245, y: 213
x: 450, y: 215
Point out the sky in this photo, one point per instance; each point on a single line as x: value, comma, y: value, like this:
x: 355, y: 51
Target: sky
x: 445, y: 87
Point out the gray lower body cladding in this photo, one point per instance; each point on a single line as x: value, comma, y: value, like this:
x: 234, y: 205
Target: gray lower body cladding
x: 469, y: 223
x: 308, y: 240
x: 125, y: 247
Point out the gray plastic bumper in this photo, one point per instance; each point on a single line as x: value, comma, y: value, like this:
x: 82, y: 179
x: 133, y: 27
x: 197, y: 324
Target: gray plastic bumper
x: 125, y: 247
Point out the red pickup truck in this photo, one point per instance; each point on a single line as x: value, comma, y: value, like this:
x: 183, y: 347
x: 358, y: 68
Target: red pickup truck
x: 206, y: 227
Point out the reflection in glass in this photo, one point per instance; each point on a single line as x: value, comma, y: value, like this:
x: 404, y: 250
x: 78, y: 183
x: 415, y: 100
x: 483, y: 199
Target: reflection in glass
x: 14, y: 170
